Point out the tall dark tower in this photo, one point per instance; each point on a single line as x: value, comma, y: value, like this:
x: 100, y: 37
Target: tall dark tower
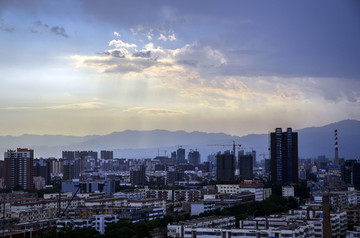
x: 336, y: 159
x: 284, y: 156
x: 194, y: 157
x: 245, y: 166
x: 225, y: 166
x: 180, y: 156
x: 326, y: 217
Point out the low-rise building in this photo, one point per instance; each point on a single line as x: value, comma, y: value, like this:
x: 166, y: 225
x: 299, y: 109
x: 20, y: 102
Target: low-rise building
x: 187, y: 195
x: 99, y: 222
x: 353, y: 234
x: 178, y: 229
x: 288, y: 191
x: 163, y: 194
x: 255, y: 187
x: 75, y: 223
x: 130, y: 195
x: 200, y: 207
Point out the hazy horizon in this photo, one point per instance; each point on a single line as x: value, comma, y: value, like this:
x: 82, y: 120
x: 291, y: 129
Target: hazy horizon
x: 237, y: 67
x: 267, y: 132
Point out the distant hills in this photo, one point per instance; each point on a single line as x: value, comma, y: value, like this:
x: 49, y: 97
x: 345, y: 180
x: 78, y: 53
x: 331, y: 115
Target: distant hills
x: 313, y: 141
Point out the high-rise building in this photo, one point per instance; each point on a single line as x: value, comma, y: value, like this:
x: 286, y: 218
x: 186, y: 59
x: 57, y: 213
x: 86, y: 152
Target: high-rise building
x: 284, y: 156
x: 194, y: 157
x: 225, y: 166
x: 180, y: 156
x: 83, y: 156
x: 212, y: 158
x: 245, y: 166
x: 350, y: 172
x: 268, y: 166
x: 356, y: 174
x: 42, y: 168
x: 2, y: 167
x: 56, y: 166
x: 106, y: 154
x: 70, y: 155
x: 71, y: 169
x: 87, y: 155
x: 173, y: 155
x: 19, y: 169
x: 253, y: 153
x: 138, y: 177
x: 326, y: 217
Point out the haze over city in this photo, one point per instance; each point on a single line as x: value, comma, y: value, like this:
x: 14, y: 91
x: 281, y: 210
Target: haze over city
x: 239, y: 67
x: 161, y: 118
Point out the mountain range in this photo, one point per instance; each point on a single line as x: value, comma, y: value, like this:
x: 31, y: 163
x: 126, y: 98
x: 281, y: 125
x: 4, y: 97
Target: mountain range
x: 313, y: 141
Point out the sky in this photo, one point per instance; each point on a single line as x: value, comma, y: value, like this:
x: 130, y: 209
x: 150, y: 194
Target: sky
x: 94, y: 67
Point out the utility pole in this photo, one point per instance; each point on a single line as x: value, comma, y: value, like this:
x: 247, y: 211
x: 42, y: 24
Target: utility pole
x: 3, y: 221
x: 59, y: 205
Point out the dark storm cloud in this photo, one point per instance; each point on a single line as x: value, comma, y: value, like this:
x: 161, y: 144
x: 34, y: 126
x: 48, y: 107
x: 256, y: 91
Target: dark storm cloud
x: 4, y: 26
x: 307, y: 38
x: 39, y: 26
x: 59, y: 30
x: 115, y: 53
x: 287, y: 38
x: 143, y: 54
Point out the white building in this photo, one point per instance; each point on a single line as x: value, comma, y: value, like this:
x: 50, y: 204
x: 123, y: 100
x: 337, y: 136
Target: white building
x: 258, y: 189
x: 353, y: 234
x: 99, y: 222
x: 296, y: 224
x: 288, y: 191
x: 137, y: 195
x: 76, y: 223
x: 177, y: 230
x: 200, y: 207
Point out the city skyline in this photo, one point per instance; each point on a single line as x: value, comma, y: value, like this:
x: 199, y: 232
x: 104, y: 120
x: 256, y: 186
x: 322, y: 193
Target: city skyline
x: 89, y: 67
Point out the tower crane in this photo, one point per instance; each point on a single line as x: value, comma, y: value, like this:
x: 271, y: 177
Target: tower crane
x: 233, y: 146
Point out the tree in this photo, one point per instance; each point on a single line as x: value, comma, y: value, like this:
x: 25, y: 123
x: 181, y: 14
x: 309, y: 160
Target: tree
x: 124, y: 232
x: 301, y: 190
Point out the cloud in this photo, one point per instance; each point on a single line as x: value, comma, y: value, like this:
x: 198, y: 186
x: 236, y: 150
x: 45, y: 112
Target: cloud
x: 110, y: 64
x: 74, y: 106
x: 144, y: 54
x: 125, y: 57
x: 116, y: 34
x: 204, y: 57
x: 120, y: 53
x: 121, y: 44
x: 198, y: 71
x: 39, y: 26
x: 148, y: 31
x: 5, y: 26
x: 333, y: 89
x: 172, y: 37
x: 201, y: 57
x: 156, y: 111
x: 59, y: 30
x: 162, y: 37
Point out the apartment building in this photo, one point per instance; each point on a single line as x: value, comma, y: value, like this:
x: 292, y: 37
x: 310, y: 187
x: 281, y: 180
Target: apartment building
x: 187, y: 195
x: 162, y: 194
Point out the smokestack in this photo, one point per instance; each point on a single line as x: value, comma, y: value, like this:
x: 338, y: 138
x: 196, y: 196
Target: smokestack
x: 336, y: 160
x: 326, y: 217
